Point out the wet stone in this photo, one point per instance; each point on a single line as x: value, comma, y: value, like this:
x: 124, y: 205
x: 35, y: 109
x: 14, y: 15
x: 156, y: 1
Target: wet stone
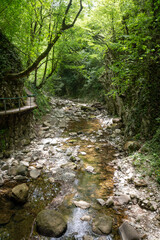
x: 82, y: 204
x: 128, y: 232
x: 20, y: 177
x: 101, y: 202
x: 50, y: 223
x: 90, y: 169
x: 5, y: 167
x: 109, y: 202
x: 86, y: 218
x: 121, y: 200
x: 34, y: 173
x: 25, y: 163
x: 22, y: 170
x: 102, y: 225
x: 87, y: 237
x: 20, y: 193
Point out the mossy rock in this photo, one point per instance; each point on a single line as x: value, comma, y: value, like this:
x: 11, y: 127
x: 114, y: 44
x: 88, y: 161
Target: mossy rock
x: 50, y: 223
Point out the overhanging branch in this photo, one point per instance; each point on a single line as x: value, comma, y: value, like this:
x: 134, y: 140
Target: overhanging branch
x: 64, y: 26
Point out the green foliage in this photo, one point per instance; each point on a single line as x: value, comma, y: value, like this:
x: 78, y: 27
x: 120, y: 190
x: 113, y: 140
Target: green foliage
x: 148, y: 160
x: 42, y: 101
x: 80, y: 66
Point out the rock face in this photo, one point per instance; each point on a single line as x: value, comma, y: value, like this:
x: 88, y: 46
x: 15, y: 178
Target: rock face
x: 14, y: 126
x: 102, y: 225
x: 50, y: 223
x: 20, y: 193
x: 128, y: 232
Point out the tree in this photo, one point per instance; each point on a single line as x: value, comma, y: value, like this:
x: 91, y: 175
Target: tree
x: 53, y: 38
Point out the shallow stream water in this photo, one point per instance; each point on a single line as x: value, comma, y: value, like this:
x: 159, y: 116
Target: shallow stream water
x: 92, y: 147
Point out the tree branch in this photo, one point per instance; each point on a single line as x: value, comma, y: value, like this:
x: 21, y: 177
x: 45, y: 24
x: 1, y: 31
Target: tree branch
x: 33, y: 66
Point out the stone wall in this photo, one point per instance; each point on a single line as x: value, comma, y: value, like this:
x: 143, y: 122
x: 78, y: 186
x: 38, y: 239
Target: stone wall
x: 16, y: 130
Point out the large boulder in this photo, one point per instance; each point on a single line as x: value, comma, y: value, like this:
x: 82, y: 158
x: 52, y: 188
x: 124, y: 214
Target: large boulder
x: 20, y: 193
x: 50, y: 223
x: 102, y: 225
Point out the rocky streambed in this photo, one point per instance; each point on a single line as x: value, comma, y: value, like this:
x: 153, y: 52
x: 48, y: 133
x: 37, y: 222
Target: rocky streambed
x: 77, y: 167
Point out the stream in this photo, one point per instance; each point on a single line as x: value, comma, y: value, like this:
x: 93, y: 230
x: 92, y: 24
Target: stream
x: 73, y: 153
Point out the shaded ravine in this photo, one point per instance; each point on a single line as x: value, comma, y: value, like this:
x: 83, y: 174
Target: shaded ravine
x: 89, y: 144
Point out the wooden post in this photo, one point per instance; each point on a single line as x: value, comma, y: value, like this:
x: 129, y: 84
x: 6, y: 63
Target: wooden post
x: 19, y: 104
x: 5, y: 107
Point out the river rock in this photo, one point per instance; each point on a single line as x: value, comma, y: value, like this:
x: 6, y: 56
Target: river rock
x: 109, y: 202
x: 117, y: 120
x: 87, y: 237
x: 101, y: 202
x: 140, y: 183
x: 86, y: 218
x: 20, y: 177
x: 22, y: 170
x: 82, y: 204
x: 83, y: 153
x: 50, y: 223
x: 46, y: 124
x: 5, y: 167
x: 102, y: 225
x: 90, y: 169
x: 12, y: 171
x: 132, y: 146
x: 34, y: 173
x: 20, y: 193
x: 62, y: 124
x: 117, y: 131
x: 25, y: 163
x: 128, y: 232
x: 69, y: 176
x: 1, y: 180
x: 121, y: 200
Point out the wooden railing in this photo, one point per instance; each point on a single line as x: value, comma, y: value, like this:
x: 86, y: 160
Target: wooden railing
x: 30, y: 103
